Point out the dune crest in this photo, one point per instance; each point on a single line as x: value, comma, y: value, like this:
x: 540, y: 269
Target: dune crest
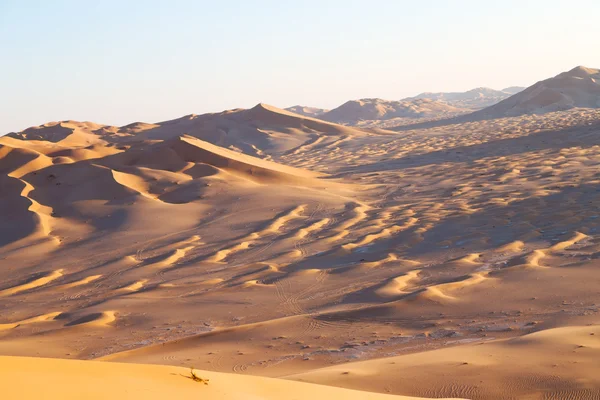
x: 354, y: 111
x: 32, y: 320
x: 579, y: 87
x: 32, y: 284
x: 71, y: 379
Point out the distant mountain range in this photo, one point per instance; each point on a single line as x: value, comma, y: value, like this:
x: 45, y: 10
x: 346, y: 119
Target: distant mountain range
x: 421, y: 107
x: 354, y: 111
x: 579, y: 87
x: 473, y: 99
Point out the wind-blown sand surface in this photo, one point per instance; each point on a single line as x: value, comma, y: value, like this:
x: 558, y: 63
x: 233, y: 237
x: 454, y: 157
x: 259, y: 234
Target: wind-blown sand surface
x: 72, y: 379
x: 458, y: 260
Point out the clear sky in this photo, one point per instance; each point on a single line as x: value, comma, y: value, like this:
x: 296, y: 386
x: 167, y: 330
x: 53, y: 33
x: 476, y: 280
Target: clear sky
x: 116, y: 62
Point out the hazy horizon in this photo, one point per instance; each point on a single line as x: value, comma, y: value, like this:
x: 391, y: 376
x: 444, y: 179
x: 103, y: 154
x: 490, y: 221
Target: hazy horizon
x: 115, y: 64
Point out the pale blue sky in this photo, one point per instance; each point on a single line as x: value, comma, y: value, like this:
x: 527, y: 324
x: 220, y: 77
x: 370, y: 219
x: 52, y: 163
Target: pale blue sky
x: 115, y: 62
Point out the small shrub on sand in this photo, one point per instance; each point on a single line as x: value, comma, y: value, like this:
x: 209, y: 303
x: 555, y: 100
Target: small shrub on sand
x: 196, y: 378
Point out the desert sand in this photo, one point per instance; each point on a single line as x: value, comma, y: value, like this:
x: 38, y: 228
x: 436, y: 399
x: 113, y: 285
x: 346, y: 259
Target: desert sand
x: 579, y: 87
x: 366, y: 111
x: 72, y: 379
x: 455, y: 259
x: 307, y: 111
x: 474, y: 99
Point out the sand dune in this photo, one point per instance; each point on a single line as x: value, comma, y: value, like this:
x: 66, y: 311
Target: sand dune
x: 513, y: 247
x: 354, y: 111
x: 193, y: 150
x: 307, y: 111
x: 396, y: 286
x: 538, y: 365
x: 449, y: 260
x: 32, y: 283
x: 135, y: 286
x: 101, y: 319
x: 39, y: 318
x: 386, y: 232
x: 473, y: 99
x: 568, y: 243
x: 247, y: 241
x: 579, y: 87
x: 81, y: 282
x: 260, y: 131
x: 68, y: 379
